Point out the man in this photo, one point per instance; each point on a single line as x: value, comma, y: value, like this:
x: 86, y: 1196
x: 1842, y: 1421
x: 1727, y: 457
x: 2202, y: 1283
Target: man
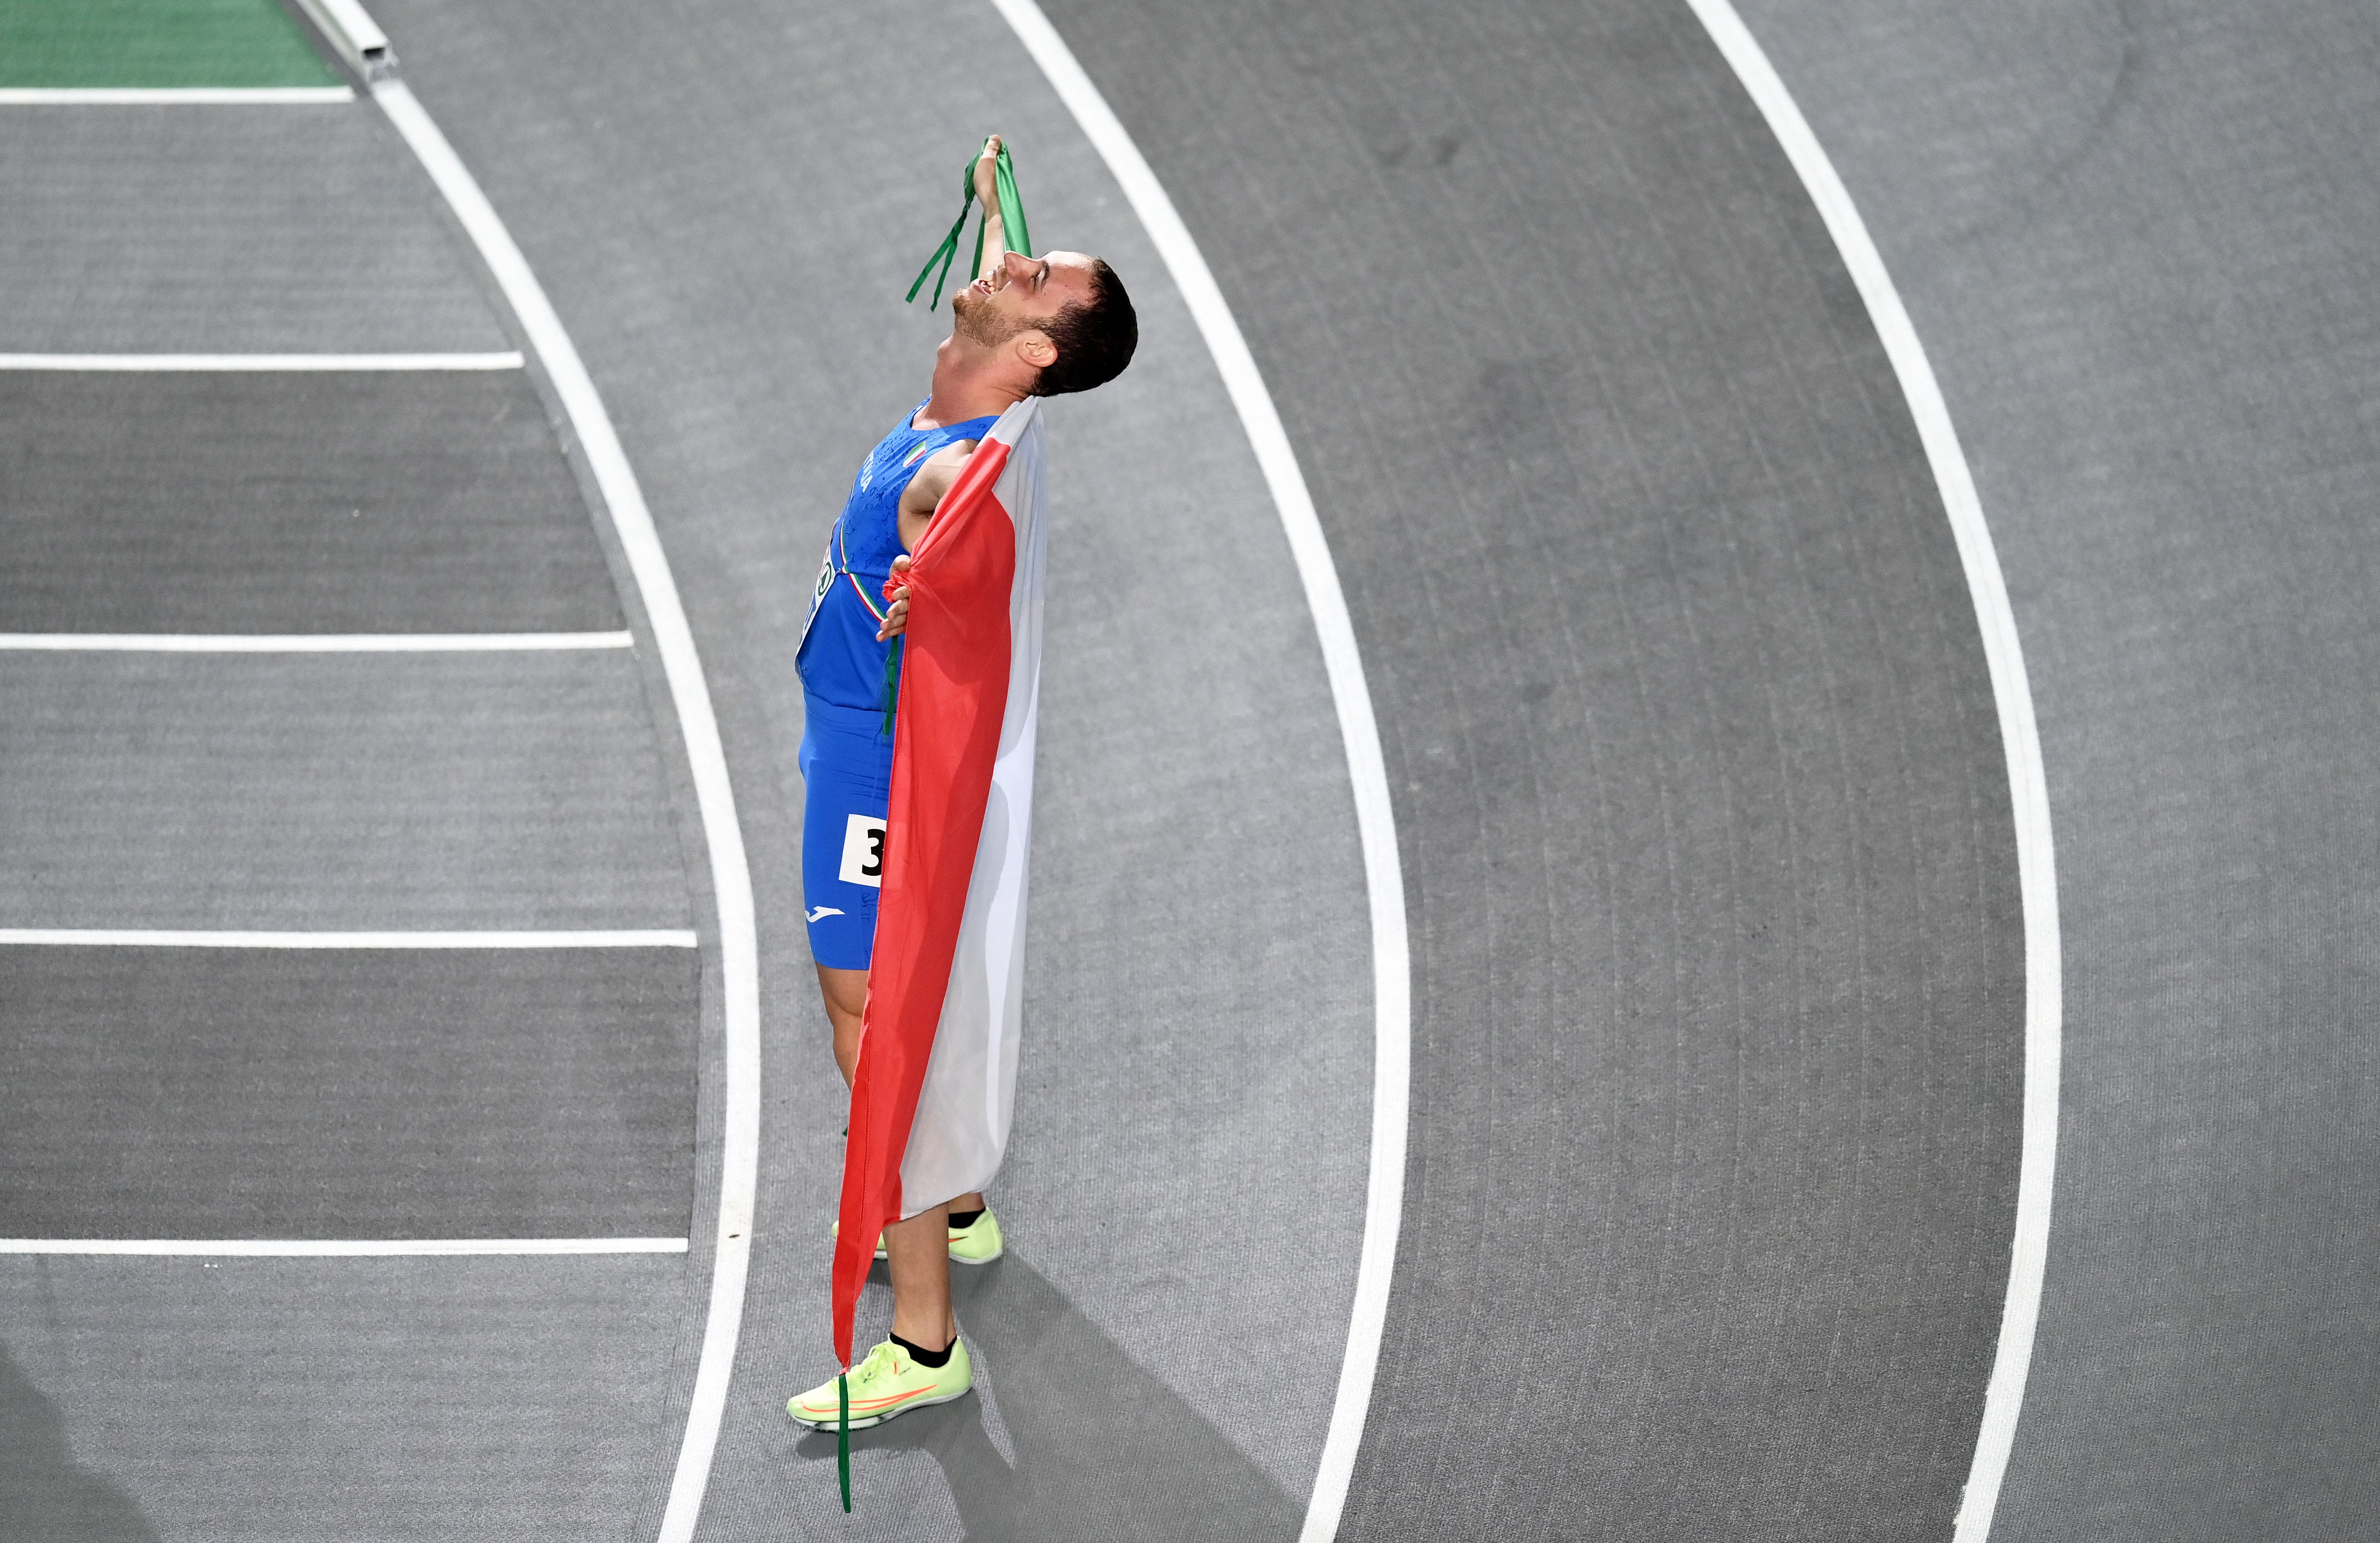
x: 1024, y: 327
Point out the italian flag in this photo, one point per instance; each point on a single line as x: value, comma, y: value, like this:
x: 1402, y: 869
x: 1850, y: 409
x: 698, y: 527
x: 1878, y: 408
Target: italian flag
x: 936, y: 1079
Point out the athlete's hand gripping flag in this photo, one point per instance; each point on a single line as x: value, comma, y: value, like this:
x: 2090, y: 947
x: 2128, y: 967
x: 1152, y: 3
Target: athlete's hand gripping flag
x: 937, y: 1074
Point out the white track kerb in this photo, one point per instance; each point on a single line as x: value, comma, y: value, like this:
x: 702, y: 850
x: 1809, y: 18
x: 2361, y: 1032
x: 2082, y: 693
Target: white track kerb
x: 1366, y: 769
x: 729, y: 876
x: 2020, y: 741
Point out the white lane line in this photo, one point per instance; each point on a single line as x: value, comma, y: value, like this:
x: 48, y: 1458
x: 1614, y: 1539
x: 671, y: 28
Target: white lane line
x: 99, y: 937
x: 1358, y: 731
x: 311, y: 642
x: 173, y: 96
x: 328, y: 1248
x: 714, y: 797
x: 2020, y: 740
x: 202, y: 364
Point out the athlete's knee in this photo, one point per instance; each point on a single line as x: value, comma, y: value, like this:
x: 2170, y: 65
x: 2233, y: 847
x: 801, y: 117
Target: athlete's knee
x: 846, y: 990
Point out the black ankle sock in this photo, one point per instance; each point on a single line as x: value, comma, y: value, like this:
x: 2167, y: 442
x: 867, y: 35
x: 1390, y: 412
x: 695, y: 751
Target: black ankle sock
x: 932, y: 1359
x: 961, y: 1219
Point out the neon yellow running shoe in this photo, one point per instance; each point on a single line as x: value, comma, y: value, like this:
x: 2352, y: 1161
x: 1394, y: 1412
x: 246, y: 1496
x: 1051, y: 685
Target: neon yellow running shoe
x: 979, y: 1242
x: 834, y: 1229
x: 885, y: 1384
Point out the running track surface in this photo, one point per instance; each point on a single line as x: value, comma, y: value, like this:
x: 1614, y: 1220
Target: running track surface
x: 1718, y: 962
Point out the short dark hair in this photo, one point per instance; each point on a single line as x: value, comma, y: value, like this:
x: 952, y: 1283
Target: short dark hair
x: 1095, y: 338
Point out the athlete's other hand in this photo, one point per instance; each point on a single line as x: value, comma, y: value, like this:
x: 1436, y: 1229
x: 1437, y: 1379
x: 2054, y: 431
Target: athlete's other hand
x: 897, y: 615
x: 986, y: 175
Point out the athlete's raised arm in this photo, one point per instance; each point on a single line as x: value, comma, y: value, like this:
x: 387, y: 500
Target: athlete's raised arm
x: 986, y: 193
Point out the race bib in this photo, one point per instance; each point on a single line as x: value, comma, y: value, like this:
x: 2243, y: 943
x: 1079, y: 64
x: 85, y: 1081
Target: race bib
x: 863, y: 851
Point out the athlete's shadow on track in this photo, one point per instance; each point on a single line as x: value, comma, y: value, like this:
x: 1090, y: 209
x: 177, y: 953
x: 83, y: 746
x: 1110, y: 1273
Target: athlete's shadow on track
x: 1101, y: 1450
x: 42, y: 1493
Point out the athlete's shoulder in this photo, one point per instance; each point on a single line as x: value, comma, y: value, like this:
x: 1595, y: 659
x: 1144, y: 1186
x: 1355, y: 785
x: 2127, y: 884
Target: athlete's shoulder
x: 936, y: 474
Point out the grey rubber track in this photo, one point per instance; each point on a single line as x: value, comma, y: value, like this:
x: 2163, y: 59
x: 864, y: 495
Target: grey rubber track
x: 726, y: 202
x: 198, y: 503
x: 1717, y: 949
x: 1699, y: 783
x: 334, y: 791
x: 326, y: 1095
x: 289, y: 1401
x: 2141, y: 242
x: 1697, y: 766
x: 208, y: 1093
x: 220, y: 229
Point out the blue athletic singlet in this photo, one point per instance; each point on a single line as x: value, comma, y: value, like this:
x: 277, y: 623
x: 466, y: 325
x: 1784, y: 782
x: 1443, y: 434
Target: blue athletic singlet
x: 846, y: 755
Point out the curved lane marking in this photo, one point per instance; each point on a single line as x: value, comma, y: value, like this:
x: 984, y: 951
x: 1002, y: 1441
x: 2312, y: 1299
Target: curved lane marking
x: 731, y: 875
x: 2020, y: 740
x: 1367, y: 769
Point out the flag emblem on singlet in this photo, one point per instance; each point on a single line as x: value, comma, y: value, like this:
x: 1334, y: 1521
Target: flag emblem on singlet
x: 937, y: 1076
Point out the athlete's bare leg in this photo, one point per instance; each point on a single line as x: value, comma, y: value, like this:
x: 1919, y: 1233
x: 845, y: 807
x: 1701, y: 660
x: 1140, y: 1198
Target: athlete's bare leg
x: 847, y: 1000
x: 918, y: 1251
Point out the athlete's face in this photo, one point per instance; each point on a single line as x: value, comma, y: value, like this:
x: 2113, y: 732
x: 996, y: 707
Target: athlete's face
x: 1021, y: 296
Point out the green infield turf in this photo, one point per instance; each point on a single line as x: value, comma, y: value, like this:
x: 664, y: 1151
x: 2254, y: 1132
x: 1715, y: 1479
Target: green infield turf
x: 156, y: 43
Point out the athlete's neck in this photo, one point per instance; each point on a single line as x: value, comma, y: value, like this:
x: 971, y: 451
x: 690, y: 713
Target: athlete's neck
x: 972, y: 382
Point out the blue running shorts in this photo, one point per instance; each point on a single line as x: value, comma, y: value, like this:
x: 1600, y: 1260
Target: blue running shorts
x: 846, y: 761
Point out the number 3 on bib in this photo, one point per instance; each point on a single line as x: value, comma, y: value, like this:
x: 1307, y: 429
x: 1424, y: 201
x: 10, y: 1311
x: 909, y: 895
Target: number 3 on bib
x: 863, y: 851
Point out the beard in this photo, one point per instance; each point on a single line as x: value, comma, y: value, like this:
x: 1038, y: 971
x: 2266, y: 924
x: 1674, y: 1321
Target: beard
x: 975, y: 319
